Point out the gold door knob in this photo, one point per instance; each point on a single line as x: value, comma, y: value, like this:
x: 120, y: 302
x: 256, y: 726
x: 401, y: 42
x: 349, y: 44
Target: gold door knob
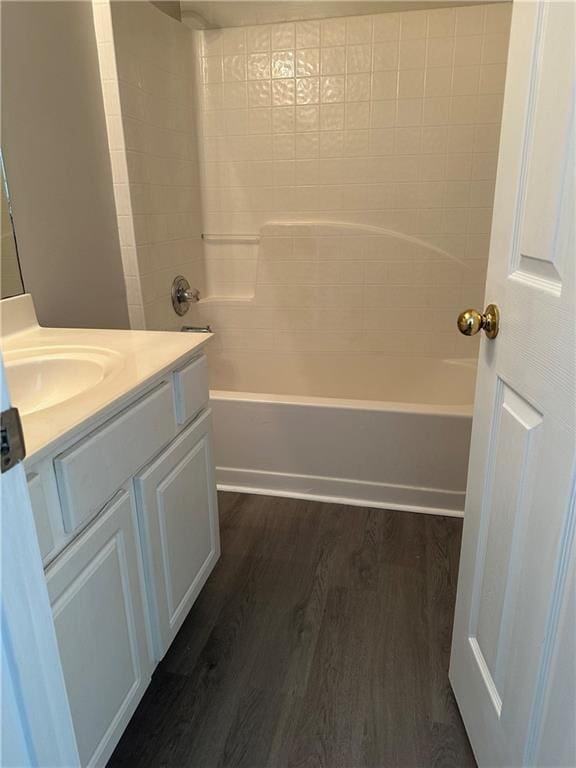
x: 471, y: 321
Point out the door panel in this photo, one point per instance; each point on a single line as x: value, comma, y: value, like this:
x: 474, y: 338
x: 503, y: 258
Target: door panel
x: 556, y: 744
x: 496, y: 580
x: 96, y: 594
x: 519, y: 519
x: 185, y: 528
x: 179, y: 521
x: 546, y: 147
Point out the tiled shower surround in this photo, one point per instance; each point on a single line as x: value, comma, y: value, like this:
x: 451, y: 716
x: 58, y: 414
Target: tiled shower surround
x: 346, y: 182
x: 149, y: 87
x: 388, y: 122
x: 322, y: 287
x: 391, y: 120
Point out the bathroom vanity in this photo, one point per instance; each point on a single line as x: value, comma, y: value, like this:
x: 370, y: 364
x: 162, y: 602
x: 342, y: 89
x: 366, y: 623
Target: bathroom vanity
x: 121, y: 478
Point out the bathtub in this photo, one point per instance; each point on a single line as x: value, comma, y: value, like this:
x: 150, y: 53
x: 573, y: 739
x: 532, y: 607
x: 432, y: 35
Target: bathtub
x: 366, y: 429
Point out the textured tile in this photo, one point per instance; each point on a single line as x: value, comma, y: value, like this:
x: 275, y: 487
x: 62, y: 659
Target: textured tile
x: 333, y: 32
x: 358, y: 87
x: 283, y: 92
x: 258, y: 65
x: 358, y: 58
x: 307, y: 62
x: 234, y: 67
x: 283, y: 64
x: 386, y: 27
x: 258, y: 39
x: 283, y: 119
x: 389, y: 120
x: 259, y: 93
x: 307, y: 118
x: 307, y: 34
x: 333, y: 88
x: 332, y: 117
x: 358, y: 29
x: 308, y: 90
x: 385, y: 56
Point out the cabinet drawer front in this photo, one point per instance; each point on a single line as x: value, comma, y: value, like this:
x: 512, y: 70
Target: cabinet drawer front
x: 178, y: 512
x: 41, y: 514
x: 191, y: 387
x: 95, y: 589
x: 90, y: 472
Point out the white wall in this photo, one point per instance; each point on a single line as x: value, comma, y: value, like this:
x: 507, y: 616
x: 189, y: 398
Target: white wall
x: 10, y: 279
x: 58, y: 165
x: 149, y: 87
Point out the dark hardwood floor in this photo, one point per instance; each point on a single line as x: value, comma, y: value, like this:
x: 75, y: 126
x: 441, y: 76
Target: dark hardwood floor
x: 321, y: 640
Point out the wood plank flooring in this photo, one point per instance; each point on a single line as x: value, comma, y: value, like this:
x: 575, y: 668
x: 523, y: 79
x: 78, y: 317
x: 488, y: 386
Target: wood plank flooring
x: 321, y: 640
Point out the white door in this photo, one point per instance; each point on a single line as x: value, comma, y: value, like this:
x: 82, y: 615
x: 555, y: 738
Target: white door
x: 513, y: 652
x: 178, y: 513
x: 36, y: 722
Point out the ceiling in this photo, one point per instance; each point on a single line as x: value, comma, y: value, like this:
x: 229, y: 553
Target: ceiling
x: 214, y: 14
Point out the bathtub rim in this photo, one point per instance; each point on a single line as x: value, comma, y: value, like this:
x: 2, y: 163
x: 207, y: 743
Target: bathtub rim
x: 462, y: 411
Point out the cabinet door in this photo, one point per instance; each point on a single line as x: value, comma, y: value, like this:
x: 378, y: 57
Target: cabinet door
x: 178, y: 514
x: 97, y: 600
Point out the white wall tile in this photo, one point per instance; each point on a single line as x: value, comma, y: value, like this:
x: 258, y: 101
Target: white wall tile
x: 308, y: 34
x: 333, y: 32
x: 234, y: 67
x: 333, y: 88
x: 440, y: 51
x: 233, y: 41
x: 412, y: 53
x: 307, y: 90
x: 470, y: 21
x: 441, y: 22
x: 468, y: 50
x: 333, y: 60
x: 414, y: 25
x: 258, y: 66
x: 155, y: 168
x: 386, y: 27
x: 358, y: 87
x: 258, y: 39
x: 358, y: 58
x: 283, y: 92
x: 385, y: 56
x: 283, y: 36
x: 358, y: 30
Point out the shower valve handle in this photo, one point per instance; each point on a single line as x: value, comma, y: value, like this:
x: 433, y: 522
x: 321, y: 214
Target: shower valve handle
x: 183, y: 295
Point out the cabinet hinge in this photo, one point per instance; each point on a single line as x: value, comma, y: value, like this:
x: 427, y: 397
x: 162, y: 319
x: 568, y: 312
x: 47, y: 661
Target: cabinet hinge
x: 12, y: 446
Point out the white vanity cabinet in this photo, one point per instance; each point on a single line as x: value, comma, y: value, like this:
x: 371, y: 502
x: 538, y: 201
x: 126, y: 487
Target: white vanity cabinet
x: 127, y: 520
x: 179, y: 525
x: 97, y: 596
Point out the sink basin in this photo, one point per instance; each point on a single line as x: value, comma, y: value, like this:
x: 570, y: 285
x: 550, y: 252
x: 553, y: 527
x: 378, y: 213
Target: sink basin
x: 40, y: 378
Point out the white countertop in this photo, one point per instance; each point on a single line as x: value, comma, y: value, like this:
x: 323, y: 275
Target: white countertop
x: 138, y: 357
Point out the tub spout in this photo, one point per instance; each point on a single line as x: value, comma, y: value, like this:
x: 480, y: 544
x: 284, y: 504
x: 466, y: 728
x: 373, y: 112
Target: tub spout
x: 196, y: 329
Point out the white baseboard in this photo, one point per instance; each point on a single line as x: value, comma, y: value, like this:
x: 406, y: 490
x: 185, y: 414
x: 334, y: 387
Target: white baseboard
x: 431, y: 501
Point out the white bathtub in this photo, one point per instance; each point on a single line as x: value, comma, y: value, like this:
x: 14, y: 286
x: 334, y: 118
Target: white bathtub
x: 365, y: 429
